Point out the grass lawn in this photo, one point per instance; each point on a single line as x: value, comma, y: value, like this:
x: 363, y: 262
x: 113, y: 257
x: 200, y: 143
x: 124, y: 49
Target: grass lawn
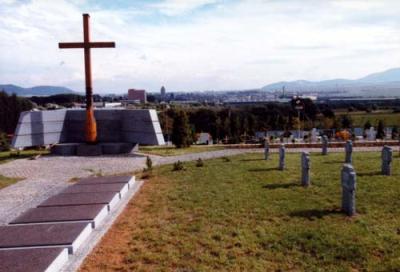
x: 245, y: 215
x: 173, y: 151
x: 12, y: 155
x: 5, y: 181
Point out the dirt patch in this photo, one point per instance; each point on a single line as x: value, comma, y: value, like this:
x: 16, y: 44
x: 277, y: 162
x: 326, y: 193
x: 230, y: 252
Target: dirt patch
x: 113, y: 251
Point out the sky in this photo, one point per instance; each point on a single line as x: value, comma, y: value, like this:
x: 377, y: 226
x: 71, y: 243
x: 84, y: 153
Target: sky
x: 196, y: 45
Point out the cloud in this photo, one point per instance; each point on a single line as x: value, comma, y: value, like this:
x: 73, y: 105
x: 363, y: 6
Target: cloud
x: 198, y: 45
x: 179, y: 7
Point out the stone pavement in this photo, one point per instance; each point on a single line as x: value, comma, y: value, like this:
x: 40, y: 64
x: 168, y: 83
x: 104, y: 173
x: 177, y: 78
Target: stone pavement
x: 48, y: 175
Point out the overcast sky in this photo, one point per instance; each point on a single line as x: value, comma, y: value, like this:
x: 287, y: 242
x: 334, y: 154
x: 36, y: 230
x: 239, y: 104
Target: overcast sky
x: 190, y: 45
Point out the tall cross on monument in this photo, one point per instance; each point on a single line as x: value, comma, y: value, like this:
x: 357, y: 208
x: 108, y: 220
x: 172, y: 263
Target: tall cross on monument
x: 90, y: 128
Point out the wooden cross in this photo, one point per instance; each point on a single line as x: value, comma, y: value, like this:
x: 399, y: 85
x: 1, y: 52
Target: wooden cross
x: 90, y: 128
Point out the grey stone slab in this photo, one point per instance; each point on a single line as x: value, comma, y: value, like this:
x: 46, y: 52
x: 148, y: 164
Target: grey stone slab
x: 89, y: 150
x: 33, y: 259
x: 95, y: 188
x: 36, y: 139
x: 107, y: 180
x: 141, y: 138
x: 67, y: 149
x: 116, y: 148
x: 86, y: 213
x: 42, y: 116
x: 108, y: 198
x: 41, y: 127
x: 64, y: 235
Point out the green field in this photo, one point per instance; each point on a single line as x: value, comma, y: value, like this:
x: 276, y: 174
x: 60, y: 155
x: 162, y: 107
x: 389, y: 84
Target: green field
x: 173, y: 151
x: 360, y: 118
x: 245, y: 215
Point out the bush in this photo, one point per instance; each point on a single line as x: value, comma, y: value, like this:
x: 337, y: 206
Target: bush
x: 4, y: 143
x: 149, y: 164
x: 226, y: 159
x: 178, y: 166
x: 199, y: 162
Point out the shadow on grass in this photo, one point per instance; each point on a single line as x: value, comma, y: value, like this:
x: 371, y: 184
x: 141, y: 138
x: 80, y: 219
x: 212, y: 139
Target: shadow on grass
x: 263, y: 169
x: 314, y: 213
x: 369, y: 174
x: 337, y: 161
x: 280, y: 186
x: 252, y: 160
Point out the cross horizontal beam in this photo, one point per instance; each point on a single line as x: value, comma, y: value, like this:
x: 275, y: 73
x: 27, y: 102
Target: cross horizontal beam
x: 86, y: 45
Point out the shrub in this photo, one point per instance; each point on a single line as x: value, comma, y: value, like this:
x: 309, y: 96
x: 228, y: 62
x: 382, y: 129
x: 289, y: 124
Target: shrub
x: 226, y: 159
x: 4, y: 143
x: 199, y: 162
x: 149, y: 164
x: 178, y: 166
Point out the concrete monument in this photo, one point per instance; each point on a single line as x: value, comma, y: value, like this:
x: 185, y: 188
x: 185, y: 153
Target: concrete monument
x: 305, y: 169
x: 325, y: 142
x: 266, y: 149
x: 387, y: 157
x: 349, y: 151
x: 349, y: 184
x: 282, y: 152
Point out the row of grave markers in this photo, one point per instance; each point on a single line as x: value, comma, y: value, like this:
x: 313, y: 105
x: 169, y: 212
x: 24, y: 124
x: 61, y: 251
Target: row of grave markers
x: 42, y: 238
x: 348, y: 174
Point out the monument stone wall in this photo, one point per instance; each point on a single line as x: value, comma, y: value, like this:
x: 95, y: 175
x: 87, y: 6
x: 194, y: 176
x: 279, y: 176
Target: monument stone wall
x: 37, y: 128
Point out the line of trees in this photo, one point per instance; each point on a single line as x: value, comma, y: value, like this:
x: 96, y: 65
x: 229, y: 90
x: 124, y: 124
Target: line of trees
x: 10, y: 108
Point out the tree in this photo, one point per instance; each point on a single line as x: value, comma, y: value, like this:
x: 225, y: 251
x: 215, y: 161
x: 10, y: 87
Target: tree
x: 346, y: 121
x: 181, y: 133
x: 395, y: 133
x: 380, y: 132
x: 367, y: 125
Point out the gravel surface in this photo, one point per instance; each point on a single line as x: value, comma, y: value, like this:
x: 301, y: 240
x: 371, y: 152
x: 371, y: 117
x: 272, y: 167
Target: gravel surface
x: 48, y: 175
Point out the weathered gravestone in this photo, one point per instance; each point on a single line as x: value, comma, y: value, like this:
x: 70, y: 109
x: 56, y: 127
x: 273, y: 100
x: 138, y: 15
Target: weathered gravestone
x: 282, y: 157
x: 324, y: 145
x: 266, y: 149
x: 349, y: 152
x: 305, y: 169
x: 387, y: 157
x: 348, y: 189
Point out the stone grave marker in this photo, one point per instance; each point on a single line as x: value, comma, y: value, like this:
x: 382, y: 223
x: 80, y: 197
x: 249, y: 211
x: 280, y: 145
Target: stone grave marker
x: 325, y: 142
x: 266, y: 149
x: 305, y: 169
x: 349, y: 184
x: 282, y: 152
x: 34, y: 259
x: 371, y: 134
x: 63, y: 235
x: 387, y: 157
x: 84, y: 213
x: 349, y: 151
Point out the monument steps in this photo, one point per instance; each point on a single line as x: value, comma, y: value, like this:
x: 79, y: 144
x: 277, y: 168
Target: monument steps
x: 44, y: 238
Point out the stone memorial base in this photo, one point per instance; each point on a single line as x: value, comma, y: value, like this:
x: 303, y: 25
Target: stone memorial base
x: 83, y: 149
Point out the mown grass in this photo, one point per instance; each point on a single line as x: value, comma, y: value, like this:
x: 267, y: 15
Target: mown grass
x: 173, y: 151
x: 6, y: 181
x: 245, y: 215
x: 7, y: 156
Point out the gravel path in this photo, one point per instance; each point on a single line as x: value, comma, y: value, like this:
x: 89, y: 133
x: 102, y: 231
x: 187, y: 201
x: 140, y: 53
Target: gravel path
x: 48, y: 175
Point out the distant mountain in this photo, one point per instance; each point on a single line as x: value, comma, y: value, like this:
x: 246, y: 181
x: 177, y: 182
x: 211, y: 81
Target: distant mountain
x: 385, y: 83
x: 35, y: 91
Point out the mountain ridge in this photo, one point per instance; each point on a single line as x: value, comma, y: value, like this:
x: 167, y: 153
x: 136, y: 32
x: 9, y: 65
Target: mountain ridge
x: 43, y: 90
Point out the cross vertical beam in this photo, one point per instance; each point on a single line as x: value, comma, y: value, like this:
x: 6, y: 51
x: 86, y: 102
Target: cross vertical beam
x: 90, y: 126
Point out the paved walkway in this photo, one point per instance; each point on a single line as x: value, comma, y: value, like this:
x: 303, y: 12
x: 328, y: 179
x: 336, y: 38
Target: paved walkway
x: 48, y: 175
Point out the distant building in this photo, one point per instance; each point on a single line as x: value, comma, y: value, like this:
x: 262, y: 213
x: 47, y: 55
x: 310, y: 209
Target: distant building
x: 163, y: 91
x: 137, y: 95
